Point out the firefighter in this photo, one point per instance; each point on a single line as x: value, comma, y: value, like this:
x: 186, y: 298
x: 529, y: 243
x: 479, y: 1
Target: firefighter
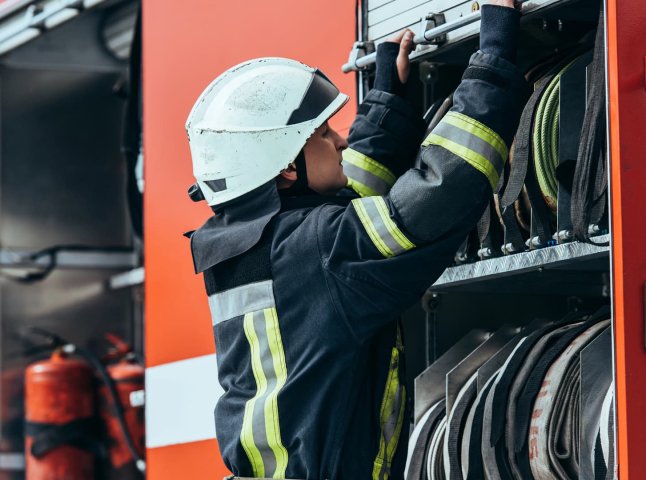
x: 306, y: 283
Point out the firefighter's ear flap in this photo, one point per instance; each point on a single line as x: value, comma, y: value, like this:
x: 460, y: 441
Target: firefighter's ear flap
x: 195, y: 193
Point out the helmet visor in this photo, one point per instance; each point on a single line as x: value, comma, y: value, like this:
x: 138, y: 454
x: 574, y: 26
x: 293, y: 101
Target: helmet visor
x: 319, y: 95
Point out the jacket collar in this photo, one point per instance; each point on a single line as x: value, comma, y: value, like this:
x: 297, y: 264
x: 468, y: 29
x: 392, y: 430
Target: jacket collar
x: 238, y: 225
x: 235, y: 228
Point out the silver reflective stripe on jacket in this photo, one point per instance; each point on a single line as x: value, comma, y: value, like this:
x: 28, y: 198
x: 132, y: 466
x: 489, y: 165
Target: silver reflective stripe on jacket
x: 240, y: 300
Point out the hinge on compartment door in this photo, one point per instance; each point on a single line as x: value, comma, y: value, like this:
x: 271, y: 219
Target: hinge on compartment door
x: 359, y: 50
x: 429, y: 22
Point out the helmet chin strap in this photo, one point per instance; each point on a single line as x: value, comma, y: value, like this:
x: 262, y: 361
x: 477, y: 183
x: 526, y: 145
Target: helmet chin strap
x: 300, y: 187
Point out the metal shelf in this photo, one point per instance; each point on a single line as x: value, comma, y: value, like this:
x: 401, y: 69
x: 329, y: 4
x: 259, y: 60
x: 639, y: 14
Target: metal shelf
x: 131, y: 278
x: 581, y: 267
x: 69, y: 259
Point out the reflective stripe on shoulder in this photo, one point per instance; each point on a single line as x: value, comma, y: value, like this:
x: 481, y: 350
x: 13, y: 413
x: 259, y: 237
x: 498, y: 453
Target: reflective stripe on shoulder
x: 366, y: 176
x: 382, y: 230
x: 472, y: 141
x: 240, y: 300
x: 260, y: 436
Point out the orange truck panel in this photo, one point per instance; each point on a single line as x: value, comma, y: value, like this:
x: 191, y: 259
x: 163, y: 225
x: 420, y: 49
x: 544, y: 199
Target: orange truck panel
x: 627, y: 96
x: 186, y: 45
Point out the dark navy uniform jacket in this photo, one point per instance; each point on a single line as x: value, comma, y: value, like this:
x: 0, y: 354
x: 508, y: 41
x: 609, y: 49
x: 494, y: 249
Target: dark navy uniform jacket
x: 305, y: 294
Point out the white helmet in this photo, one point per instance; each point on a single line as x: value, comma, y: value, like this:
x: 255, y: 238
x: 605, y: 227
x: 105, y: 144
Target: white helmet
x: 253, y: 120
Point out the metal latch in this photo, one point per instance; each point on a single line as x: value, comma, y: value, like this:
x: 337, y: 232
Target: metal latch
x: 359, y: 50
x: 429, y: 22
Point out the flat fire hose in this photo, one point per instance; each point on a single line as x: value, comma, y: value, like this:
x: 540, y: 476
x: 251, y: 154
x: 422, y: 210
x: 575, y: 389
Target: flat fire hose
x: 420, y: 440
x: 534, y: 383
x: 472, y: 468
x: 455, y: 428
x: 519, y: 382
x: 553, y: 434
x: 488, y: 446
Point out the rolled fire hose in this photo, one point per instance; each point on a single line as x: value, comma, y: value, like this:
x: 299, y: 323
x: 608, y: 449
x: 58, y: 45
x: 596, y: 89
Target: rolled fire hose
x: 420, y: 440
x: 543, y: 369
x: 435, y: 464
x: 545, y: 139
x: 607, y: 433
x: 455, y: 428
x: 525, y: 404
x: 553, y: 449
x: 494, y: 451
x: 596, y: 379
x: 519, y: 382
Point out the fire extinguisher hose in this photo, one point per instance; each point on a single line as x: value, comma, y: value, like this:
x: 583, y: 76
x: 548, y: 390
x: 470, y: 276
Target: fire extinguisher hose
x: 77, y: 433
x: 95, y: 361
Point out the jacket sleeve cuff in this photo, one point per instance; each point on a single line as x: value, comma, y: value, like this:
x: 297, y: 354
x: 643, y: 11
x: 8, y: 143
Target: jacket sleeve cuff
x: 499, y: 31
x: 386, y: 77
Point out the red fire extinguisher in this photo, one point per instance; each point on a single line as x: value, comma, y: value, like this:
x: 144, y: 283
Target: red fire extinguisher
x: 60, y: 419
x: 127, y: 376
x: 62, y: 431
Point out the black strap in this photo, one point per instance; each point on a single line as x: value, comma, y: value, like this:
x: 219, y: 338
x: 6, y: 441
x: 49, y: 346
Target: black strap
x: 80, y: 433
x: 513, y: 233
x: 589, y: 191
x: 301, y: 186
x: 489, y: 230
x: 521, y: 170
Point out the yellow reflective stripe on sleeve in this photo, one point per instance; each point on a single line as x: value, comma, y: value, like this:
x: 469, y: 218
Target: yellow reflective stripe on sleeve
x: 472, y: 141
x: 271, y: 405
x: 370, y: 229
x: 361, y: 189
x: 382, y: 230
x: 474, y: 159
x: 246, y: 436
x: 365, y: 175
x: 369, y: 165
x: 401, y: 239
x: 480, y: 130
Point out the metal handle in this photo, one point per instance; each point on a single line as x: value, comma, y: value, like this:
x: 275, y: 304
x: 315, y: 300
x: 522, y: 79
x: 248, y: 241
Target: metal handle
x: 427, y: 36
